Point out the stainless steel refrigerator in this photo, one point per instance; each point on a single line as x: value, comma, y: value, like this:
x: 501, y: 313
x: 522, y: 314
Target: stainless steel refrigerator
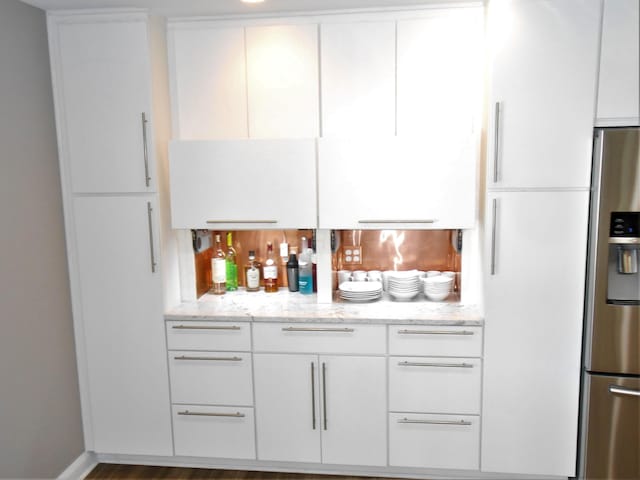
x: 610, y: 442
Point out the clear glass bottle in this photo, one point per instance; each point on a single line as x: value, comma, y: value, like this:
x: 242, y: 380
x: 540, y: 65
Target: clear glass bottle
x: 231, y: 265
x: 218, y: 269
x: 270, y: 271
x: 252, y: 273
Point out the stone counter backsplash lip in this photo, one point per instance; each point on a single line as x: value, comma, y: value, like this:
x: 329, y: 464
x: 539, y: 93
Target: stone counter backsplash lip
x: 285, y: 306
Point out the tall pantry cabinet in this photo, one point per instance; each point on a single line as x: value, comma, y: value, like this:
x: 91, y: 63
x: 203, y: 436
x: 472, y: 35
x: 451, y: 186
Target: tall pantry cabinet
x: 102, y: 92
x: 543, y: 91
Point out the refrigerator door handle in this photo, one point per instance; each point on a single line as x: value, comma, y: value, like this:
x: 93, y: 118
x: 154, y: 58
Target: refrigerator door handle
x: 617, y: 390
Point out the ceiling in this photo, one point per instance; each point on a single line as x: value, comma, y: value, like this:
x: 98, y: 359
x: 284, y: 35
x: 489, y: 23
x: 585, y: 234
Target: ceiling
x: 227, y: 7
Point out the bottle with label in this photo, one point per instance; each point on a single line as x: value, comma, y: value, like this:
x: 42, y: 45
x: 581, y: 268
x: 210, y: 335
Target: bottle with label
x: 305, y: 274
x: 218, y: 269
x: 292, y: 272
x: 231, y: 265
x: 252, y: 273
x: 270, y: 271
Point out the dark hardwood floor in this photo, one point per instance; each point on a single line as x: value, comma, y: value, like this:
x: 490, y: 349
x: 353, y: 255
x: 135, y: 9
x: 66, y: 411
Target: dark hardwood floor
x: 106, y: 471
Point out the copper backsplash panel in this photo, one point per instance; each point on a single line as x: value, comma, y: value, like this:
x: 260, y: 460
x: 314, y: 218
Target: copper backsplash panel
x: 382, y: 250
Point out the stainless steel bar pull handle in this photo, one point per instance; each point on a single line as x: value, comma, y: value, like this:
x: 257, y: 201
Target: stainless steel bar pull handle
x: 324, y: 394
x: 429, y: 220
x: 217, y: 359
x: 435, y: 332
x: 241, y: 221
x: 145, y: 149
x: 494, y: 233
x: 151, y: 249
x: 317, y: 329
x: 313, y: 396
x: 206, y: 327
x: 211, y: 414
x: 435, y: 422
x: 435, y: 364
x: 624, y: 391
x: 496, y: 142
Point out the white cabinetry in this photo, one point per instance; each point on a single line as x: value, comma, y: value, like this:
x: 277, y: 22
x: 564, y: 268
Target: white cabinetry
x: 326, y: 408
x: 243, y: 184
x: 533, y: 331
x: 404, y: 182
x: 542, y: 94
x: 209, y: 83
x: 358, y: 78
x: 101, y: 73
x: 101, y: 79
x: 619, y: 85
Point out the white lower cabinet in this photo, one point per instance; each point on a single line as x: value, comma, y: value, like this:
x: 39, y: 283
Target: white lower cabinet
x: 205, y: 431
x: 317, y: 408
x: 434, y: 441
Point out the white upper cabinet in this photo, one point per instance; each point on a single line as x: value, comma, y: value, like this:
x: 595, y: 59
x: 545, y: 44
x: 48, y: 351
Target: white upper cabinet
x: 440, y: 72
x: 209, y: 83
x: 101, y: 70
x: 395, y: 182
x: 243, y: 184
x: 358, y: 78
x: 619, y: 87
x: 282, y: 81
x: 543, y: 91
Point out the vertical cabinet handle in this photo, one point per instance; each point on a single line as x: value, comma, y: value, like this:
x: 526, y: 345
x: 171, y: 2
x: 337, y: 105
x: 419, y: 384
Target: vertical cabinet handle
x: 494, y: 220
x: 145, y: 149
x: 324, y: 394
x: 151, y: 250
x: 496, y: 142
x: 313, y: 396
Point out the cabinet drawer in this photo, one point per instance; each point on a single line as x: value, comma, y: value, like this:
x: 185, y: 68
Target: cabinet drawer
x: 434, y: 384
x: 230, y: 336
x: 435, y: 341
x: 434, y: 441
x: 219, y: 378
x: 319, y: 338
x: 222, y: 432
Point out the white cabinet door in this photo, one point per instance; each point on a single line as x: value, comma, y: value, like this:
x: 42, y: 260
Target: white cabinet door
x: 619, y: 85
x: 101, y: 73
x: 209, y: 83
x: 287, y: 407
x: 354, y: 409
x: 533, y: 332
x: 543, y: 92
x: 282, y: 81
x: 397, y: 182
x: 358, y: 78
x: 243, y: 184
x: 440, y: 72
x: 121, y: 314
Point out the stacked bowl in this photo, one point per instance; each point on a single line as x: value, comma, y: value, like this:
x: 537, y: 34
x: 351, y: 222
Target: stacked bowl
x: 437, y: 287
x: 403, y: 285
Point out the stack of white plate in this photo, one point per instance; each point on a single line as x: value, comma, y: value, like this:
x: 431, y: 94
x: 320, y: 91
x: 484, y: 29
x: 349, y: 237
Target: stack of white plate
x: 437, y: 288
x: 360, y: 291
x: 403, y: 285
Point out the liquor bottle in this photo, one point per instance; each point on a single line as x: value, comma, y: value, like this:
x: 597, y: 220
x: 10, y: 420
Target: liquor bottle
x: 305, y: 274
x: 231, y: 265
x: 270, y: 271
x: 252, y: 273
x: 218, y: 269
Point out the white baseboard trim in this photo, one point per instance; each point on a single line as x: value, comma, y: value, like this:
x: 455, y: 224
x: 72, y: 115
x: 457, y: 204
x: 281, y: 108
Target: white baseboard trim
x: 80, y: 468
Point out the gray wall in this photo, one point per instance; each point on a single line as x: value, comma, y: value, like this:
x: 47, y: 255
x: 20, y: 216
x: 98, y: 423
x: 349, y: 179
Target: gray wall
x: 40, y: 419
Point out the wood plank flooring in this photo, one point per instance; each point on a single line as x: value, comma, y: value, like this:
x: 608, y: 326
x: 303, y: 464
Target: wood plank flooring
x: 106, y: 471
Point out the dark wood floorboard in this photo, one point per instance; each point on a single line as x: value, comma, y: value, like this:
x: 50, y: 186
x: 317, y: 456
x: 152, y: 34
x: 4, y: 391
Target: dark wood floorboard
x: 107, y: 471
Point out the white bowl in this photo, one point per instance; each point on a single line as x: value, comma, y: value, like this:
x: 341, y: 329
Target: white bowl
x: 437, y: 297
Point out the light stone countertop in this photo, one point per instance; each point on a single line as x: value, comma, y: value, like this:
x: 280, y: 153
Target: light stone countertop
x: 295, y: 307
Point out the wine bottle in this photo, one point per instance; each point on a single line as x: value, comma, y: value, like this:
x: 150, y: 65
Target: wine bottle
x: 218, y: 269
x: 231, y: 265
x: 270, y: 271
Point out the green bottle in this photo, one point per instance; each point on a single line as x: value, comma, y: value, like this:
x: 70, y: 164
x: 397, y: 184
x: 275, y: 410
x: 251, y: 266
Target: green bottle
x: 231, y: 264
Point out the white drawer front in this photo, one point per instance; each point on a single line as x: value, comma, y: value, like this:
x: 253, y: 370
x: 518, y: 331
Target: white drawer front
x: 434, y: 441
x: 435, y: 341
x: 434, y: 384
x: 215, y: 378
x: 319, y: 338
x: 221, y: 432
x: 231, y: 336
